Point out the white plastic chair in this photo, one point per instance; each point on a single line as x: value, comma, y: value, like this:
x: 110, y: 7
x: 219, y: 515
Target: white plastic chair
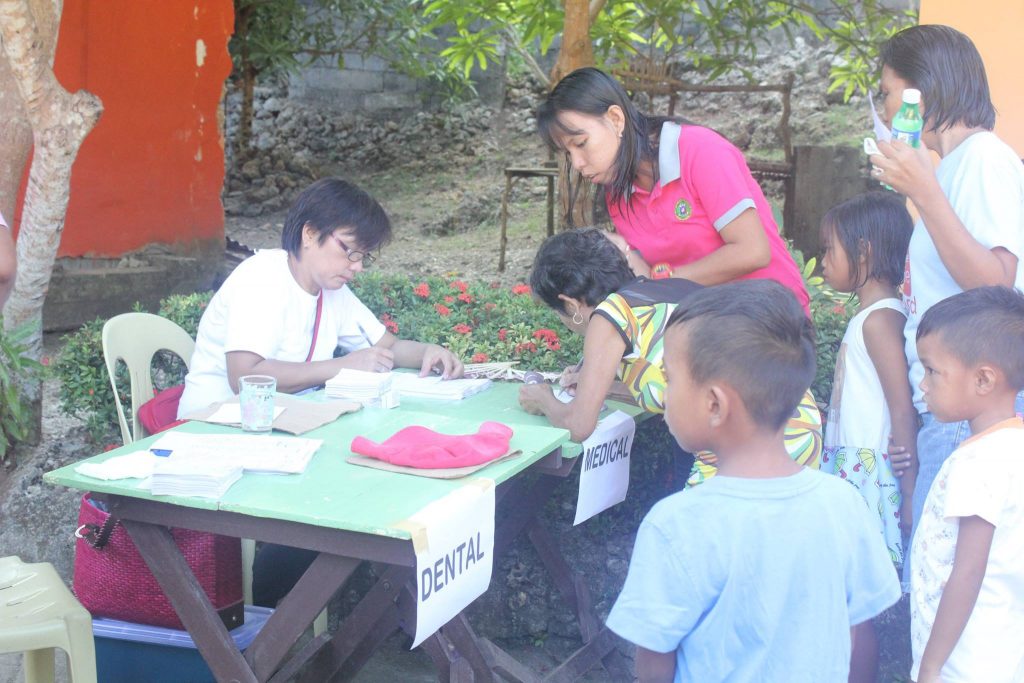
x: 37, y: 614
x: 135, y: 338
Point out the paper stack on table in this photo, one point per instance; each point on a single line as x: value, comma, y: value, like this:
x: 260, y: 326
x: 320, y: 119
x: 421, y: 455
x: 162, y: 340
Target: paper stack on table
x: 411, y: 385
x: 263, y: 453
x: 372, y: 389
x: 193, y: 477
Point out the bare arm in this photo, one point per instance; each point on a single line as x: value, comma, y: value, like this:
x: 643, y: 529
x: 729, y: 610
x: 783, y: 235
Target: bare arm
x: 746, y: 249
x: 973, y: 543
x: 292, y: 377
x: 910, y: 171
x: 883, y: 337
x: 655, y: 667
x: 602, y: 352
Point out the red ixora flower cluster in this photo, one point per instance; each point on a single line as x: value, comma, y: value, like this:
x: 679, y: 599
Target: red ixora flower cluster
x: 503, y: 334
x: 389, y: 323
x: 462, y: 328
x: 460, y: 285
x: 549, y: 337
x: 442, y: 310
x: 526, y: 346
x: 479, y: 358
x: 521, y: 289
x: 466, y: 298
x: 421, y: 290
x: 449, y: 299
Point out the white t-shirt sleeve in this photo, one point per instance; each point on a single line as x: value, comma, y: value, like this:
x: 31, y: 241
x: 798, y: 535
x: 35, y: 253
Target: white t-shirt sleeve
x: 660, y: 602
x: 358, y: 327
x: 989, y: 198
x: 973, y: 489
x: 248, y: 314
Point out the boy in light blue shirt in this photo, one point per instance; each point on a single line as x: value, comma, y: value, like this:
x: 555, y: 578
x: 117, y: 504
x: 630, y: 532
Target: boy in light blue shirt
x: 759, y: 573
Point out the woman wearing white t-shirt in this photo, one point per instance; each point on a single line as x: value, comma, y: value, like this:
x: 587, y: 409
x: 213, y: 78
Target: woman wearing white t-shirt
x: 971, y: 227
x: 283, y: 312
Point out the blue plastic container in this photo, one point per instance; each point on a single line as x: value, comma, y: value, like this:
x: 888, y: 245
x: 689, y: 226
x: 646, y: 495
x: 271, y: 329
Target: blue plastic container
x: 133, y: 653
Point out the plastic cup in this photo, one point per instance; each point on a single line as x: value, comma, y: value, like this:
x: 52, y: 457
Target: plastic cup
x: 256, y: 397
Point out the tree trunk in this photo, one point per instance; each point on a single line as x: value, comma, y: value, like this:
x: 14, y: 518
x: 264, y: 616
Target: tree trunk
x: 15, y: 129
x: 576, y: 50
x: 60, y: 121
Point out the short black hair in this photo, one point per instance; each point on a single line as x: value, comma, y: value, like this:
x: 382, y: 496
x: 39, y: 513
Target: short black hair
x: 876, y: 219
x: 753, y: 335
x: 947, y: 68
x: 580, y: 263
x: 332, y: 203
x: 981, y: 325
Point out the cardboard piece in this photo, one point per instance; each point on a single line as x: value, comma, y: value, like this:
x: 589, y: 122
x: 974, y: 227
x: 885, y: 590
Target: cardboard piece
x: 444, y: 473
x: 300, y: 415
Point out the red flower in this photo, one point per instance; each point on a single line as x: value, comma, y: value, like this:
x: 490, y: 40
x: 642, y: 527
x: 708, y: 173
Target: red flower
x: 526, y: 346
x: 489, y: 306
x: 389, y: 324
x: 460, y: 285
x: 546, y: 335
x: 442, y: 310
x: 109, y: 447
x: 503, y: 334
x: 45, y: 360
x: 421, y: 290
x: 521, y: 289
x: 839, y: 308
x: 466, y: 298
x: 449, y: 299
x: 91, y: 392
x: 462, y: 328
x: 479, y: 358
x: 553, y: 345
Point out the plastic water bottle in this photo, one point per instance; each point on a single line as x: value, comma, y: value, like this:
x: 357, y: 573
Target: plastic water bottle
x: 907, y: 124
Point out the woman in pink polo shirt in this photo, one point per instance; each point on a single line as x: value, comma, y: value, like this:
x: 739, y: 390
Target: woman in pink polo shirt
x: 681, y: 196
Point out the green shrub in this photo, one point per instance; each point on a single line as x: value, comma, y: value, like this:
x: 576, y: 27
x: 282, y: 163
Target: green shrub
x: 16, y: 368
x: 477, y: 321
x: 85, y: 390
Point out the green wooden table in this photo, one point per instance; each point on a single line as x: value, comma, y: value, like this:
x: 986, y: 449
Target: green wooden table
x: 348, y: 514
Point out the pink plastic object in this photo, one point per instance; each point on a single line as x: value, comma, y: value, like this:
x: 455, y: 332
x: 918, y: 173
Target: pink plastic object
x: 426, y: 449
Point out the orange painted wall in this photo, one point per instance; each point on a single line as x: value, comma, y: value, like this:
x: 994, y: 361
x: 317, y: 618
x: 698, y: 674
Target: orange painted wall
x: 996, y: 28
x: 153, y: 167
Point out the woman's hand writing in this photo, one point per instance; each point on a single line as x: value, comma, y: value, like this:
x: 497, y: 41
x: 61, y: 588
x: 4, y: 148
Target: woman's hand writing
x: 532, y: 396
x: 569, y: 378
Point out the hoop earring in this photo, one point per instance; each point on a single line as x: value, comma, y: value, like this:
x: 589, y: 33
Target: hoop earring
x: 575, y: 315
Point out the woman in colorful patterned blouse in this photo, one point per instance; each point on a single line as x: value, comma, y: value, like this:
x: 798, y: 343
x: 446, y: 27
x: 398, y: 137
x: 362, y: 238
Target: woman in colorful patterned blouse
x: 587, y: 281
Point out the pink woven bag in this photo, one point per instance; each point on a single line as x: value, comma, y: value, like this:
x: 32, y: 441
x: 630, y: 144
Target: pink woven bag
x: 112, y: 580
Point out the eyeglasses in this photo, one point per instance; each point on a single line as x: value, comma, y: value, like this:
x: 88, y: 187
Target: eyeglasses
x: 354, y: 255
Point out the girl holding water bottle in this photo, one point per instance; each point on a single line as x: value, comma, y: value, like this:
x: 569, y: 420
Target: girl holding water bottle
x: 970, y: 230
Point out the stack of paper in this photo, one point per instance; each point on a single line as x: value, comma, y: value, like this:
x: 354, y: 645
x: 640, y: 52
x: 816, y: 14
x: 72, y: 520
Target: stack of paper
x: 193, y: 477
x: 372, y: 389
x: 410, y: 385
x: 281, y: 455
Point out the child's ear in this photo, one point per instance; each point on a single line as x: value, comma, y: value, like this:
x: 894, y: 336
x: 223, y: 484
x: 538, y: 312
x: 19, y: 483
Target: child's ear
x: 717, y: 406
x: 986, y: 379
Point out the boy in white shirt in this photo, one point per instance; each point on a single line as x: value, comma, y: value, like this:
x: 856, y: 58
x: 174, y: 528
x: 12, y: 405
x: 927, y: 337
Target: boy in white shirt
x: 967, y: 580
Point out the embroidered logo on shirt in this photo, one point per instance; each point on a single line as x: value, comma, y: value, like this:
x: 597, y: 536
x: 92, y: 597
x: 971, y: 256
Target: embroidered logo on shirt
x: 683, y: 209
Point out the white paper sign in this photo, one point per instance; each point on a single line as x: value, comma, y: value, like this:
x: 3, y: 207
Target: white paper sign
x: 604, y: 471
x: 454, y: 541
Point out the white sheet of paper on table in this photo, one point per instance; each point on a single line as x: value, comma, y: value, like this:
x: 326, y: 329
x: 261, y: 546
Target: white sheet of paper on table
x: 254, y: 453
x: 231, y: 414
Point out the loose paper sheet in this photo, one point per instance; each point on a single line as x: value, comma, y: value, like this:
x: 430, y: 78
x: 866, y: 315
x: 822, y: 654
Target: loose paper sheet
x: 231, y: 414
x: 454, y: 541
x: 604, y: 470
x: 256, y: 453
